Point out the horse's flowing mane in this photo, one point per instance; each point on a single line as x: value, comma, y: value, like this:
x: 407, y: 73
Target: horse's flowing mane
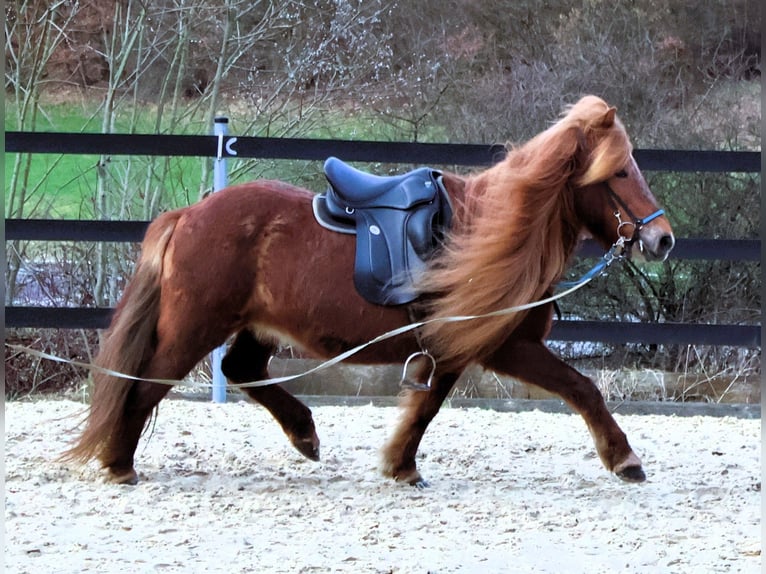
x: 517, y: 231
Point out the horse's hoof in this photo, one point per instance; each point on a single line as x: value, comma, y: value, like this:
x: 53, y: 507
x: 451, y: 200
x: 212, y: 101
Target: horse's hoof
x: 308, y: 447
x: 412, y: 478
x: 129, y: 477
x: 633, y: 473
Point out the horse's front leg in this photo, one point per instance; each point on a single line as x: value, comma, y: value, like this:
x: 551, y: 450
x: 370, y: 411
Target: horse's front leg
x: 531, y: 362
x: 247, y: 360
x: 418, y: 409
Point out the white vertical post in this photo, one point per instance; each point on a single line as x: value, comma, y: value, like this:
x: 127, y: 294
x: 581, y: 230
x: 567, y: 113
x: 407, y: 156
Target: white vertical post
x: 220, y: 178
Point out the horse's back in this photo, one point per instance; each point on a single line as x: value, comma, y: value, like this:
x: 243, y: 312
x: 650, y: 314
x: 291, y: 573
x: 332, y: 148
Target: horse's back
x: 253, y: 256
x: 261, y: 198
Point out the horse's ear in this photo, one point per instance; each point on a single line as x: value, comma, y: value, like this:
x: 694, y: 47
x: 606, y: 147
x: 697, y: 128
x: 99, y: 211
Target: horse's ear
x: 607, y: 120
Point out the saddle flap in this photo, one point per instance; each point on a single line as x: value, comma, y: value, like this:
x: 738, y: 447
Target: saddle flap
x: 386, y: 263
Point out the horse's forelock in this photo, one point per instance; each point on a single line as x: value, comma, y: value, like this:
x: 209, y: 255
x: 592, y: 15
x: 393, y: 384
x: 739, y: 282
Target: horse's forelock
x: 609, y: 155
x: 607, y: 146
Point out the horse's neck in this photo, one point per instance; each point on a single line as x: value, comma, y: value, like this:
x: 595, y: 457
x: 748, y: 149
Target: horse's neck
x: 463, y: 194
x: 466, y: 195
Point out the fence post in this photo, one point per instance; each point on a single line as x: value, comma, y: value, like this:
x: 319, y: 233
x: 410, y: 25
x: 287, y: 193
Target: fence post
x: 220, y: 178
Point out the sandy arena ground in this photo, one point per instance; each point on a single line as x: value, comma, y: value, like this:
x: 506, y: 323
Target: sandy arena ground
x: 222, y: 491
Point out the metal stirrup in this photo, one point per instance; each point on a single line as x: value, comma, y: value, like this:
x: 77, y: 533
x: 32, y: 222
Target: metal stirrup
x: 407, y: 383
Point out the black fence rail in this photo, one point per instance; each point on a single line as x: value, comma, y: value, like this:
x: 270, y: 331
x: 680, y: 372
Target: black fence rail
x: 133, y: 231
x: 384, y: 152
x: 368, y: 151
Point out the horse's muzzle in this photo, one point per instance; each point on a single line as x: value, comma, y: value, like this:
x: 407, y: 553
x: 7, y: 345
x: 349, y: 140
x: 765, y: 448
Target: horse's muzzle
x: 653, y: 244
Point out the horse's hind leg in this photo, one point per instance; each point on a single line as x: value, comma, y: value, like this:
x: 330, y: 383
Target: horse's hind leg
x: 180, y: 345
x: 119, y: 451
x: 531, y: 362
x: 246, y: 361
x: 419, y: 409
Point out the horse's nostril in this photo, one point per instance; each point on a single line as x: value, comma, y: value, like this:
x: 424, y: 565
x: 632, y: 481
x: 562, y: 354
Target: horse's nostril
x: 666, y: 243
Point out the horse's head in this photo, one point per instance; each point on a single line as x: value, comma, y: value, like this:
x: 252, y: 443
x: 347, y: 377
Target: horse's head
x: 611, y: 196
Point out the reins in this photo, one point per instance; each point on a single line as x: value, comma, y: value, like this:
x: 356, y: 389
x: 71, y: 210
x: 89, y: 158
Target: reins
x: 612, y: 255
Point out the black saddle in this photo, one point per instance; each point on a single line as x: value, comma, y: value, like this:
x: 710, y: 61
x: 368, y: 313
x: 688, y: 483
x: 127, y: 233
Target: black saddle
x: 398, y: 222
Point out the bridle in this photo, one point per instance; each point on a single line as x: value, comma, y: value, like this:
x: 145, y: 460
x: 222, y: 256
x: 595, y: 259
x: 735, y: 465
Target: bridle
x: 637, y: 223
x: 623, y: 242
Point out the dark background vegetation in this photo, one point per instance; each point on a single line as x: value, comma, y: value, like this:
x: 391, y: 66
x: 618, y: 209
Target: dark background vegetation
x: 683, y: 76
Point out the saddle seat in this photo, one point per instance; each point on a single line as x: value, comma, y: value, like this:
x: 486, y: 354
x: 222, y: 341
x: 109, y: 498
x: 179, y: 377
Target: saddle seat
x: 398, y: 222
x: 358, y: 189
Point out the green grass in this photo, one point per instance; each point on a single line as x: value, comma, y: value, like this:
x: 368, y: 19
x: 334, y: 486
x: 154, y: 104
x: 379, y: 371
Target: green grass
x: 65, y: 186
x: 57, y: 186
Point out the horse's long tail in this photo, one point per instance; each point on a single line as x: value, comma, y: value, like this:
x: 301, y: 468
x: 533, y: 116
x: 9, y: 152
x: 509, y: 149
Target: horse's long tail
x: 127, y: 345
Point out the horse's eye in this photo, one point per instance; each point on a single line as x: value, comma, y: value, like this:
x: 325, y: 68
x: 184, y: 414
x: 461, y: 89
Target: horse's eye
x: 622, y: 173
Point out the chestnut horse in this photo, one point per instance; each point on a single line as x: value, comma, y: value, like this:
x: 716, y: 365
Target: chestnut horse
x: 250, y: 262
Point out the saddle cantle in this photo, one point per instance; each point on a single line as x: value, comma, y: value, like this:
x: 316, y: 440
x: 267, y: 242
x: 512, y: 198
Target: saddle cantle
x: 398, y: 222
